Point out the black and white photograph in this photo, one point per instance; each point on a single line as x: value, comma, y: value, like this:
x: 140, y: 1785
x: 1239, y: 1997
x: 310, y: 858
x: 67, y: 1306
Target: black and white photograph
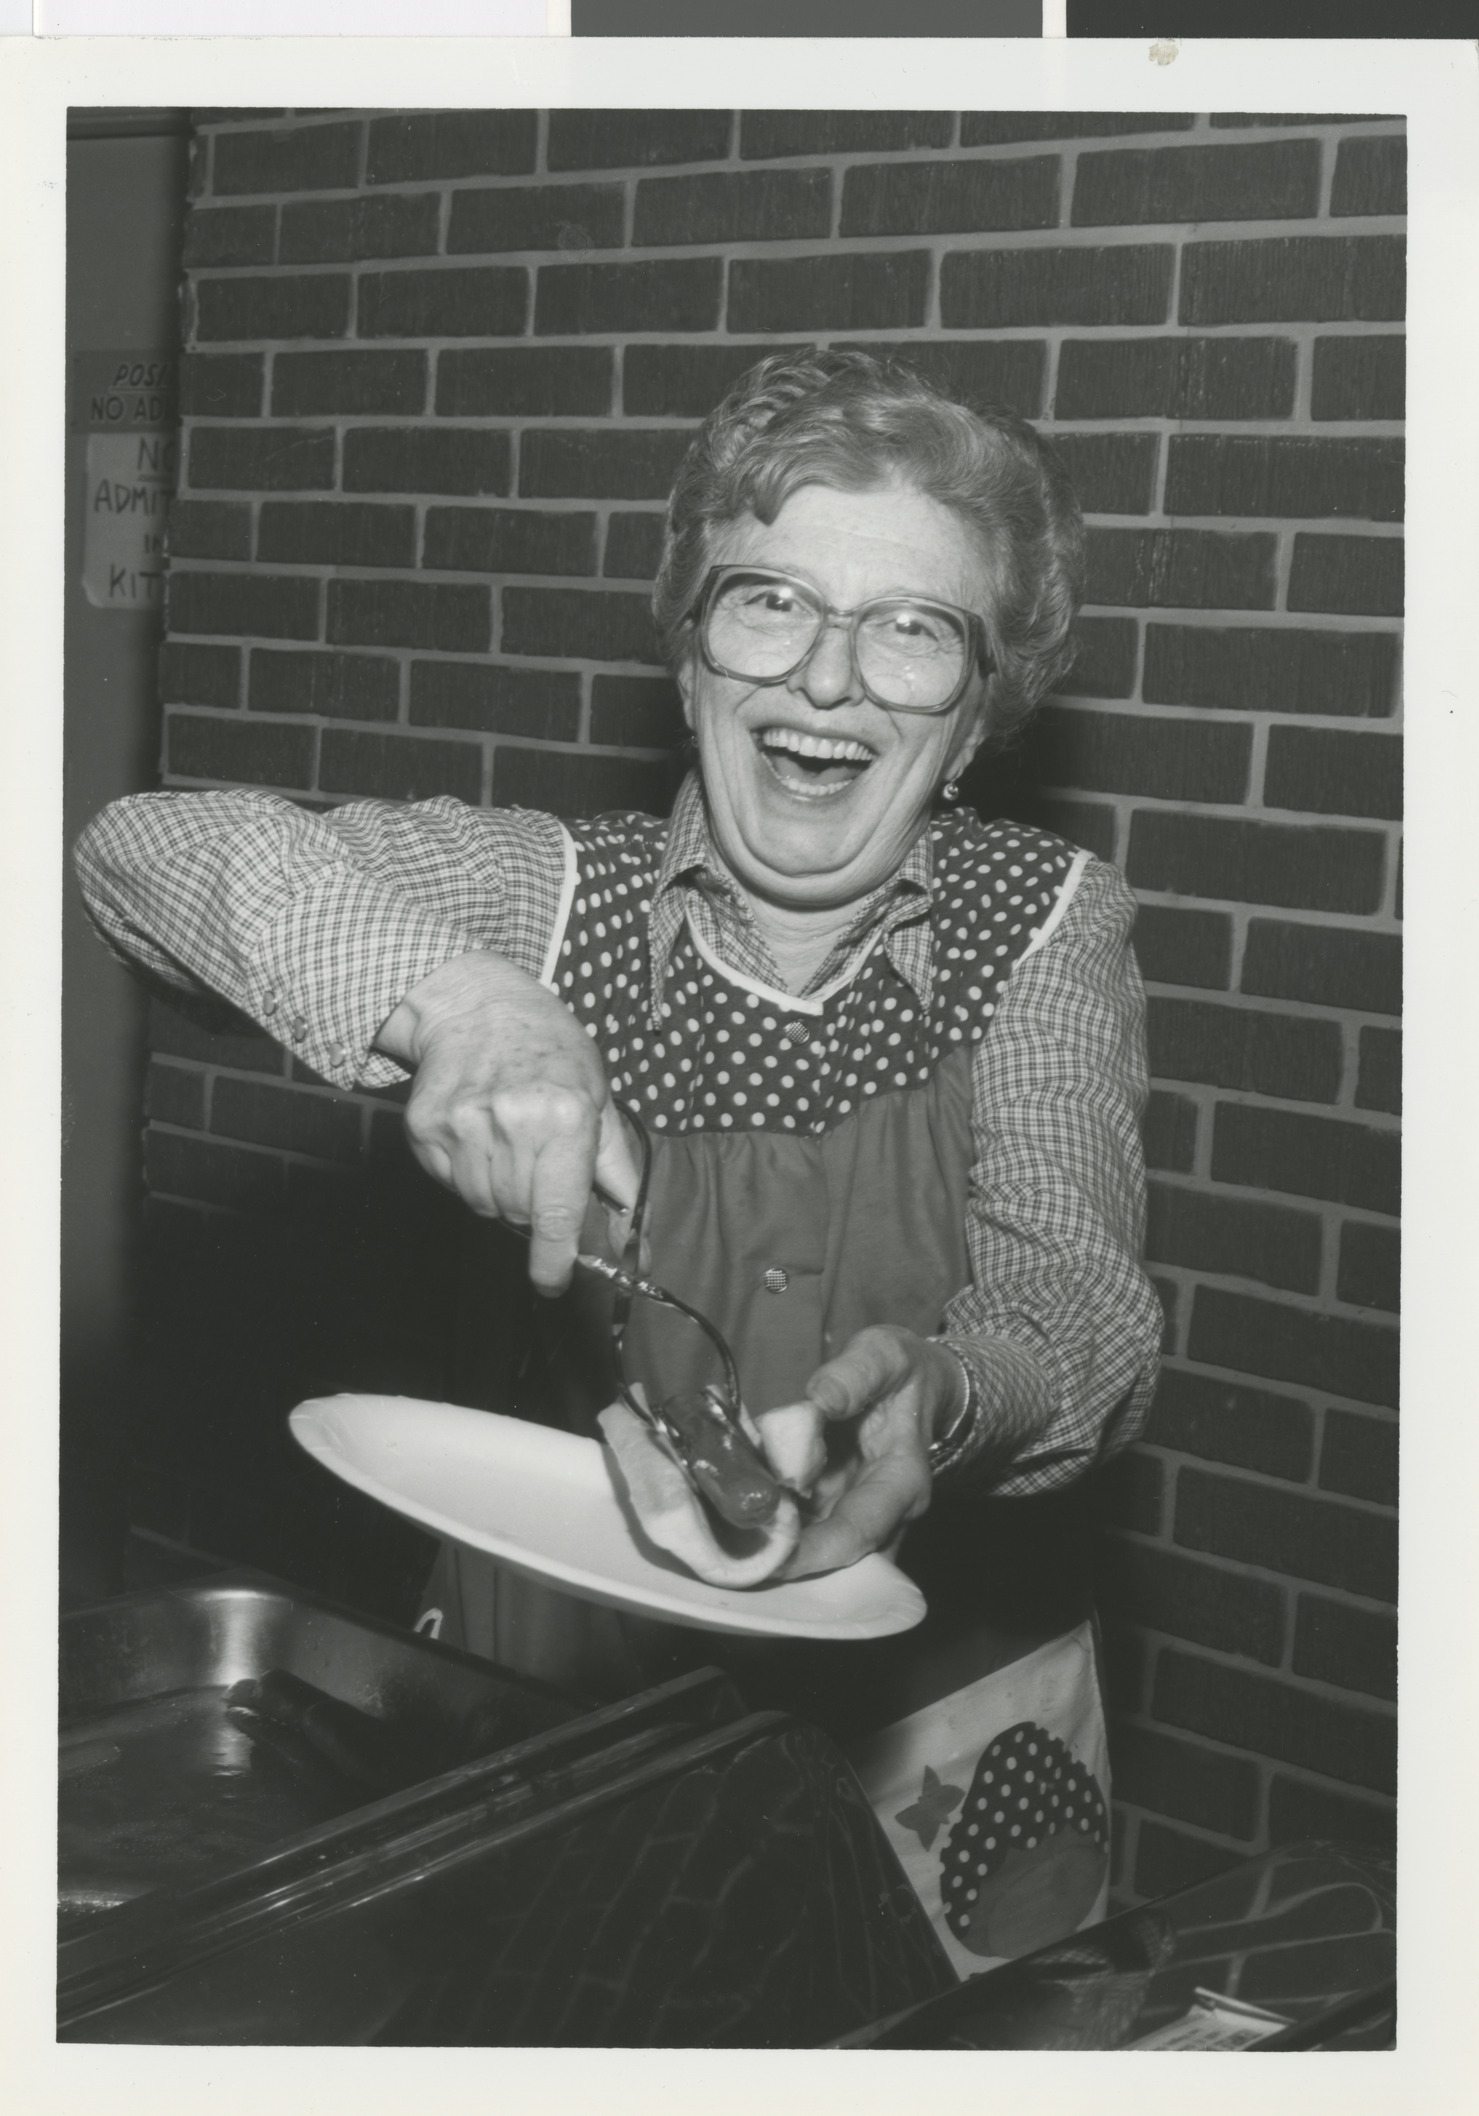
x: 731, y: 1071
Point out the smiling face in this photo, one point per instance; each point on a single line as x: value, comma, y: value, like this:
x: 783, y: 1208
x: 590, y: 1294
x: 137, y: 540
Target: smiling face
x: 816, y: 794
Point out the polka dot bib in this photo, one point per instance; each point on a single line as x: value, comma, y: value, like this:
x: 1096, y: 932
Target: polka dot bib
x: 728, y: 1055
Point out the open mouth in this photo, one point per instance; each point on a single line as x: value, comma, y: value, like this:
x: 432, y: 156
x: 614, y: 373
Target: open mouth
x: 812, y: 764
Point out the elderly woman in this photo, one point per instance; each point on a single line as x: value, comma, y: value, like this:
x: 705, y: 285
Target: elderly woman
x: 889, y: 1059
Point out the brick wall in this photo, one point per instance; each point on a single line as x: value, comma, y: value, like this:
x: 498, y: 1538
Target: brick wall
x: 439, y: 369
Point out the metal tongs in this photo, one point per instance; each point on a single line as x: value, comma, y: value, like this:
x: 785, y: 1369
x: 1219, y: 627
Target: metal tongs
x: 632, y: 1283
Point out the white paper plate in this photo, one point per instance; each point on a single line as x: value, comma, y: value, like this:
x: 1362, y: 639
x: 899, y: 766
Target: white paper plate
x: 545, y: 1503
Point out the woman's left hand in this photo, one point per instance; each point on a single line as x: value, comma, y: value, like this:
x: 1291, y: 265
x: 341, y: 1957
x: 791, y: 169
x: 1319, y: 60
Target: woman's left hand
x: 895, y: 1391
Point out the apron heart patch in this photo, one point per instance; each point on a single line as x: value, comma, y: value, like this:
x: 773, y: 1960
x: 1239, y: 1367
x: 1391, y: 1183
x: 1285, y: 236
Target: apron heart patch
x: 1024, y: 1861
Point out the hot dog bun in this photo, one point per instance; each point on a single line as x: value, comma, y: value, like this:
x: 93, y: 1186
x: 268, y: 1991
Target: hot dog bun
x: 672, y: 1515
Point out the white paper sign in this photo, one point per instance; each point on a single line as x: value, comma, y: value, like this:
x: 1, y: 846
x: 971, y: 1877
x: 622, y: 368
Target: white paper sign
x: 130, y: 477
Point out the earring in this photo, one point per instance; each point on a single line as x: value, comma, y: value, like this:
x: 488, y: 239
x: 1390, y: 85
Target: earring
x: 950, y: 791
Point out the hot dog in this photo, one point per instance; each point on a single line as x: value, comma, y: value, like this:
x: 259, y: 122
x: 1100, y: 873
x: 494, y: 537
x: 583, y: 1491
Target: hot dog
x: 673, y: 1516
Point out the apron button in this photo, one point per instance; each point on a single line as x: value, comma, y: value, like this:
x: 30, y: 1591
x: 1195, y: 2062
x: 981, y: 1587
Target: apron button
x: 775, y: 1280
x: 795, y: 1032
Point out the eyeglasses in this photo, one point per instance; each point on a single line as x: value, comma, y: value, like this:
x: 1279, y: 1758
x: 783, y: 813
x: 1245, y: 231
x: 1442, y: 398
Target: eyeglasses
x: 912, y: 655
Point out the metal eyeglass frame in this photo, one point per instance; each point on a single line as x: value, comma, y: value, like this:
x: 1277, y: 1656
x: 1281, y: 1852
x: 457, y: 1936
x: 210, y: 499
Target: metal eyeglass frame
x: 975, y: 631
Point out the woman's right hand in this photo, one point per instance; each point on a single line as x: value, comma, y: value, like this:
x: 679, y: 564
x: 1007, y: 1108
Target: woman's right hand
x: 509, y: 1105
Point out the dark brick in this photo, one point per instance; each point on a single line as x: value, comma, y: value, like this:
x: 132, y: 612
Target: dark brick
x: 864, y: 290
x: 1112, y: 473
x: 974, y: 370
x: 405, y: 613
x: 336, y: 533
x: 462, y: 459
x: 1361, y: 377
x: 565, y: 783
x: 633, y: 546
x: 668, y: 294
x: 229, y: 235
x: 575, y: 625
x: 1312, y: 868
x: 1273, y: 1718
x: 333, y: 686
x: 1180, y: 569
x: 371, y: 381
x: 296, y: 158
x: 1379, y: 1080
x: 684, y: 381
x: 509, y: 540
x: 1233, y: 1237
x: 1360, y: 1456
x: 1169, y: 1296
x: 1179, y: 947
x: 175, y: 1094
x: 997, y: 128
x: 286, y: 1117
x: 460, y: 301
x: 1370, y: 176
x: 1356, y: 1649
x: 1246, y: 1048
x: 643, y: 712
x: 399, y: 767
x: 635, y: 139
x: 768, y: 134
x: 1180, y: 1778
x: 539, y: 217
x: 336, y: 231
x: 1246, y: 118
x: 1308, y: 1538
x: 221, y: 385
x: 996, y: 289
x: 1126, y: 1667
x: 1348, y: 575
x: 247, y: 752
x: 262, y: 458
x: 1169, y: 1131
x: 1167, y: 1860
x: 1132, y: 1491
x: 948, y: 197
x: 1206, y: 1603
x: 209, y: 529
x: 191, y: 675
x: 600, y: 463
x: 1107, y: 653
x: 1176, y: 378
x: 496, y: 701
x: 241, y: 1046
x: 1297, y: 1811
x: 1084, y: 823
x: 1247, y: 475
x: 1324, y: 966
x: 1224, y: 1421
x: 1310, y: 1157
x: 529, y: 382
x: 234, y: 1176
x: 1172, y: 760
x: 411, y: 150
x: 757, y: 205
x: 1261, y: 1337
x: 1370, y: 1266
x: 298, y: 305
x: 1294, y: 279
x: 1332, y: 773
x: 1249, y: 668
x: 267, y: 605
x: 1129, y: 186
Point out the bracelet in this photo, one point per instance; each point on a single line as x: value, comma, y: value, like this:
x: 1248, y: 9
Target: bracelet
x: 946, y: 1451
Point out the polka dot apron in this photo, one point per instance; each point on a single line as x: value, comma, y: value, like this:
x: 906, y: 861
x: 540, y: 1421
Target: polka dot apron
x: 811, y: 1159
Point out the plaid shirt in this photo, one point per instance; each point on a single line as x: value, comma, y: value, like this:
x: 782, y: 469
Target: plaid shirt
x: 318, y: 925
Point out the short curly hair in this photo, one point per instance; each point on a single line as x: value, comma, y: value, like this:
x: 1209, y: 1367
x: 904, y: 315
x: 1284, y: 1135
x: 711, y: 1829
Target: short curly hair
x: 851, y: 421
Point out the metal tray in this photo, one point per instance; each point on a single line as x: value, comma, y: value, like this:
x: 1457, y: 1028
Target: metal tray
x: 159, y: 1788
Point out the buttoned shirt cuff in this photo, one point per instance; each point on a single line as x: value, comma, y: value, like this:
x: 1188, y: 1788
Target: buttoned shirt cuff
x: 328, y: 973
x: 1013, y: 1407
